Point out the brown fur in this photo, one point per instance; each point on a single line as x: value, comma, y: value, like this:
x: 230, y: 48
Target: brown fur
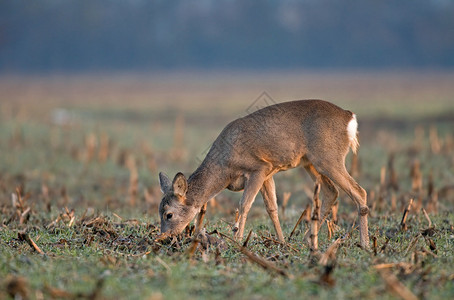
x: 250, y: 150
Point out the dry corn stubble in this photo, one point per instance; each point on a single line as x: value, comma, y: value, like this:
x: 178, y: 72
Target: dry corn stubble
x: 124, y: 243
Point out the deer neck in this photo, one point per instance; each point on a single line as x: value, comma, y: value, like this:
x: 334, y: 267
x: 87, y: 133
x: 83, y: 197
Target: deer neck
x: 205, y: 183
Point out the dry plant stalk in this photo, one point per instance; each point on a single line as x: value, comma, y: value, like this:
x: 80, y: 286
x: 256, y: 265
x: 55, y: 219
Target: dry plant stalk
x: 435, y: 144
x: 383, y: 248
x: 403, y: 223
x: 23, y: 236
x: 427, y: 251
x: 334, y: 210
x: 133, y: 180
x: 431, y: 244
x: 382, y: 191
x: 381, y: 201
x: 393, y: 182
x: 330, y: 229
x: 277, y: 242
x: 46, y: 197
x: 305, y: 213
x: 64, y: 195
x: 387, y: 265
x: 328, y: 260
x: 24, y: 216
x: 17, y: 287
x: 150, y: 157
x: 247, y: 239
x: 54, y: 222
x: 104, y: 148
x: 20, y: 203
x: 382, y: 177
x: 95, y: 293
x: 57, y: 293
x: 262, y: 262
x: 70, y: 216
x: 308, y: 191
x: 307, y: 219
x: 90, y: 146
x: 396, y: 286
x: 393, y: 202
x: 418, y: 205
x: 427, y: 217
x: 285, y: 199
x: 430, y: 184
x: 419, y: 138
x: 257, y: 259
x: 433, y: 203
x: 374, y: 245
x: 448, y: 146
x: 218, y: 258
x: 191, y: 250
x: 416, y: 177
x: 315, y: 220
x: 200, y: 217
x: 330, y: 253
x: 22, y: 211
x: 372, y: 199
x: 214, y: 204
x: 412, y: 243
x: 17, y: 138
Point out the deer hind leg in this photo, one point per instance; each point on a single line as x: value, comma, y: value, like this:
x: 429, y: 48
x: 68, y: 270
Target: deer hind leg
x: 251, y: 189
x: 329, y: 191
x: 339, y: 175
x: 268, y: 192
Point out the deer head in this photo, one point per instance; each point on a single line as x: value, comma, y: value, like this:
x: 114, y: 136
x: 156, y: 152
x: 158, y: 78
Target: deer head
x: 175, y: 211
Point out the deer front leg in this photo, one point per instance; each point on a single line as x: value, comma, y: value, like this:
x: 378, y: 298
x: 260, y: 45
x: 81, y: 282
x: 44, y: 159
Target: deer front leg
x: 252, y: 187
x: 268, y: 191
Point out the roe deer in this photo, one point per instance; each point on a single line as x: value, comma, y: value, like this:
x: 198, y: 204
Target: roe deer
x: 314, y: 134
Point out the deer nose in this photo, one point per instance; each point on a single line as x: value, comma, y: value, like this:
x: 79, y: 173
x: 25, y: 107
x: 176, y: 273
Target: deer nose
x: 163, y: 228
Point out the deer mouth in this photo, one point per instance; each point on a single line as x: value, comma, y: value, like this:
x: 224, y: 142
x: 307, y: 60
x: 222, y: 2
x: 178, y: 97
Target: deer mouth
x: 174, y: 231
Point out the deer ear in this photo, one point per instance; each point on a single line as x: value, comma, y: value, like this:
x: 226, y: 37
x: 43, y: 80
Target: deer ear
x: 180, y: 185
x: 164, y: 182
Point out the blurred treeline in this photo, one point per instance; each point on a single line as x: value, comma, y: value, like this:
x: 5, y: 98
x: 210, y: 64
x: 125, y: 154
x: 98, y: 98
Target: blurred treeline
x: 74, y: 35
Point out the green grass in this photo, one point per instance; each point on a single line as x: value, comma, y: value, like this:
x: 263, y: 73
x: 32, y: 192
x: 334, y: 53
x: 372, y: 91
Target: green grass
x: 122, y: 254
x: 136, y: 270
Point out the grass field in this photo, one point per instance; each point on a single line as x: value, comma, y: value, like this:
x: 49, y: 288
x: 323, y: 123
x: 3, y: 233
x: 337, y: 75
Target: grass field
x: 79, y: 161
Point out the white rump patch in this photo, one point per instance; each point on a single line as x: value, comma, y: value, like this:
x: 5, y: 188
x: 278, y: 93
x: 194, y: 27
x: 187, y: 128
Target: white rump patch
x: 352, y: 130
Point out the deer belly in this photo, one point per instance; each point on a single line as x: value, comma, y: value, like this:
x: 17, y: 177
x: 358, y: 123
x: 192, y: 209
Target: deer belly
x: 237, y: 184
x: 287, y: 167
x: 286, y: 164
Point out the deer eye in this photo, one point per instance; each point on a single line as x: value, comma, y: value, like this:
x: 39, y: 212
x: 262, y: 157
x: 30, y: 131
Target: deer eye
x: 169, y: 216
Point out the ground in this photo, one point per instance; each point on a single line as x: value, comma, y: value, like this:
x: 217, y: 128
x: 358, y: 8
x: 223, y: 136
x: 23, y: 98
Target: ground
x: 79, y: 161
